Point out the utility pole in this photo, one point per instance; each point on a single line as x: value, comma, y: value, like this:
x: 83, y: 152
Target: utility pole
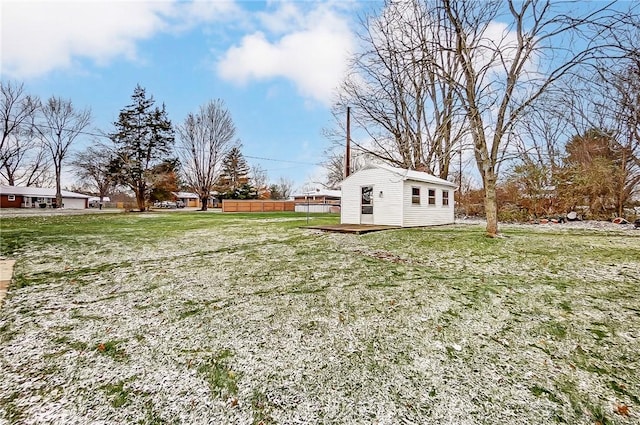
x: 459, y: 177
x: 347, y: 156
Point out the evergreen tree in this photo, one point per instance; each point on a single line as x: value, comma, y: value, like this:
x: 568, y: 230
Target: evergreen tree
x: 144, y: 138
x: 234, y: 175
x: 593, y: 172
x: 164, y: 179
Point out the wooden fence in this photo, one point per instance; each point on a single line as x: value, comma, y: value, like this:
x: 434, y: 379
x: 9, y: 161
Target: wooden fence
x: 234, y: 205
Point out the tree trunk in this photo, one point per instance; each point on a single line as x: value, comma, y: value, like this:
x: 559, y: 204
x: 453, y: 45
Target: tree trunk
x: 10, y: 179
x: 141, y: 204
x: 204, y: 202
x: 491, y: 205
x: 140, y: 199
x: 58, y: 186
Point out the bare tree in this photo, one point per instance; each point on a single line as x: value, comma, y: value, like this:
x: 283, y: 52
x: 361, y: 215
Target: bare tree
x: 92, y: 166
x: 335, y: 166
x: 626, y: 114
x: 602, y: 108
x: 21, y: 159
x: 260, y: 180
x: 606, y: 99
x: 621, y: 108
x: 510, y: 55
x: 61, y: 125
x: 412, y: 117
x: 28, y: 163
x: 282, y: 189
x: 538, y: 138
x: 614, y: 108
x: 205, y: 138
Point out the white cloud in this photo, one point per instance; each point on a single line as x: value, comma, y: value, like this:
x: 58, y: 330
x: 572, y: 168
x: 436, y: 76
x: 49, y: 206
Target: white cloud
x: 38, y: 37
x: 189, y: 14
x: 286, y: 17
x: 41, y: 36
x: 313, y: 54
x: 304, y: 43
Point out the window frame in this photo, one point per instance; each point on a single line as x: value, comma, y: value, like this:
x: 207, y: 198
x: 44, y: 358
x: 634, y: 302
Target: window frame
x: 415, y: 198
x: 11, y: 198
x: 445, y: 199
x: 431, y: 197
x: 366, y: 203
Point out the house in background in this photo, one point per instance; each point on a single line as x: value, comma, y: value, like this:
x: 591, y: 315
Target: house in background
x: 95, y: 201
x: 318, y: 200
x: 384, y: 195
x: 189, y: 199
x: 39, y: 197
x: 319, y: 196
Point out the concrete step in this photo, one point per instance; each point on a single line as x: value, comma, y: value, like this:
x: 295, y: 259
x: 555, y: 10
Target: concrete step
x: 6, y: 273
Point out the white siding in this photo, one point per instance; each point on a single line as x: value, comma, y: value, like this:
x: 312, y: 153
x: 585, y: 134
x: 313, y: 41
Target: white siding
x: 387, y: 209
x: 314, y: 208
x: 394, y: 207
x: 425, y: 214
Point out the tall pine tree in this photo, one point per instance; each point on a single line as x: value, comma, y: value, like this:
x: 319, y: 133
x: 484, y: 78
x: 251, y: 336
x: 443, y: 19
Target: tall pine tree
x: 144, y: 138
x: 234, y: 178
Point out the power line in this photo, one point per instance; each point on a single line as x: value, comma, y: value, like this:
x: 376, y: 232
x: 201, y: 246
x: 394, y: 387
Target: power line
x: 88, y: 133
x: 282, y: 160
x: 280, y: 169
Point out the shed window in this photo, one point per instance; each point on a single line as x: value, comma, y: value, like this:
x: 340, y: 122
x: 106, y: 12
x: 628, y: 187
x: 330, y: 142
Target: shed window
x: 445, y: 198
x: 415, y: 195
x: 432, y: 197
x: 11, y: 197
x: 367, y: 201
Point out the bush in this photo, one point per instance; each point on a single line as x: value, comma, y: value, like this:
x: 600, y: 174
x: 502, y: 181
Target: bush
x: 513, y: 214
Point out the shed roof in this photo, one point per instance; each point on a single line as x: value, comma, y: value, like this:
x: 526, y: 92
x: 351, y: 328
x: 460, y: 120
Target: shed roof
x: 44, y: 192
x: 414, y: 175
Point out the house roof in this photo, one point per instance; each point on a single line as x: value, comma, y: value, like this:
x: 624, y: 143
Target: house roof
x: 320, y: 192
x: 413, y: 175
x: 44, y: 192
x: 186, y: 195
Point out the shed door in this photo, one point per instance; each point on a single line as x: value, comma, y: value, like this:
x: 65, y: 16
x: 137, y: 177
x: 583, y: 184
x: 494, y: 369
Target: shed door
x: 366, y: 205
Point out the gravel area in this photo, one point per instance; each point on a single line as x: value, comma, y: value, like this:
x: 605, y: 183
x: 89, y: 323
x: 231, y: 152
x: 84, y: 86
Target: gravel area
x: 579, y: 224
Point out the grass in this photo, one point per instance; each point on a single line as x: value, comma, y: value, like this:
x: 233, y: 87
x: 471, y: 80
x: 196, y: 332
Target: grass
x: 216, y: 370
x: 237, y: 318
x: 117, y: 393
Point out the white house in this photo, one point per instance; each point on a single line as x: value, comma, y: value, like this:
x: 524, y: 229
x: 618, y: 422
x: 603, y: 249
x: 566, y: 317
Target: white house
x: 189, y: 199
x: 94, y: 201
x: 319, y: 196
x: 39, y: 197
x: 384, y: 195
x: 319, y: 200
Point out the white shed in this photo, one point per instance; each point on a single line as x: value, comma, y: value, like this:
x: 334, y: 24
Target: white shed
x: 384, y: 195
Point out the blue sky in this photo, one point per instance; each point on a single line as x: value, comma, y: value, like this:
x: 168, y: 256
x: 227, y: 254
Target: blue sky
x: 276, y: 64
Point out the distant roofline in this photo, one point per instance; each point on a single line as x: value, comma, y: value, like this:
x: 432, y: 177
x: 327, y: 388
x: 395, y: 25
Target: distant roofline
x: 44, y: 192
x: 319, y: 192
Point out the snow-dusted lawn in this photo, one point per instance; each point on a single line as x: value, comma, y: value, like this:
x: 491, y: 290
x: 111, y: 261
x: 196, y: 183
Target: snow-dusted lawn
x: 226, y: 319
